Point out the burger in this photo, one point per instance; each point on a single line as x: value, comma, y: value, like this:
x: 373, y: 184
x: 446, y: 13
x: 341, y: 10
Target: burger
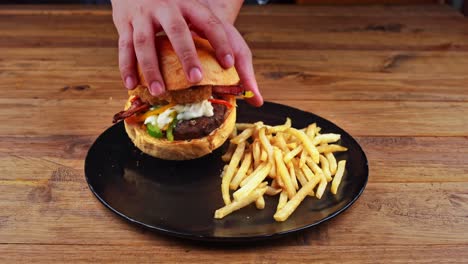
x: 189, y: 120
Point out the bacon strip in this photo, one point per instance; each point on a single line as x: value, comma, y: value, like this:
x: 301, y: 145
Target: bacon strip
x: 233, y: 90
x: 137, y: 106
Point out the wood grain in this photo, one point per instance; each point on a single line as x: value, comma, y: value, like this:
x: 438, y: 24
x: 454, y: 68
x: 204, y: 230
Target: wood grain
x: 392, y: 159
x: 385, y: 118
x: 199, y: 254
x: 394, y: 77
x: 59, y: 208
x: 271, y: 10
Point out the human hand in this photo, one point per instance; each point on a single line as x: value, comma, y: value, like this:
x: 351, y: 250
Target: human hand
x: 137, y: 23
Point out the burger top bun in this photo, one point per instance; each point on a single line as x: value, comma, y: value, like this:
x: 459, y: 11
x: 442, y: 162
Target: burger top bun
x: 173, y: 73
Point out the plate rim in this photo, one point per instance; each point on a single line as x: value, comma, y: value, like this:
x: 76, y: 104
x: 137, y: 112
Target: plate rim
x: 212, y: 238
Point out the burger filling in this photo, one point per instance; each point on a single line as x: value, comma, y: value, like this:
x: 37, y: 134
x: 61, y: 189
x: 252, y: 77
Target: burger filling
x: 190, y: 114
x: 201, y: 126
x: 188, y: 121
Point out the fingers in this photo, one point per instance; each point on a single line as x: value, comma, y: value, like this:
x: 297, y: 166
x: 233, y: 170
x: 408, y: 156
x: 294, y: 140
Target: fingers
x: 145, y: 49
x: 244, y: 65
x: 176, y: 28
x: 205, y: 21
x: 127, y: 61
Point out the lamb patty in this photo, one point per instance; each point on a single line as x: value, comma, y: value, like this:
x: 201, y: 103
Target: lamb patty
x: 200, y: 127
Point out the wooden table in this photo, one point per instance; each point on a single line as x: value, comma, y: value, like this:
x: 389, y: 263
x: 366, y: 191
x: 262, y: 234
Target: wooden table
x: 394, y: 77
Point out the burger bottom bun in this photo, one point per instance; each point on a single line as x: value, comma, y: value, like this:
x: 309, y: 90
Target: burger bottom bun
x: 182, y: 149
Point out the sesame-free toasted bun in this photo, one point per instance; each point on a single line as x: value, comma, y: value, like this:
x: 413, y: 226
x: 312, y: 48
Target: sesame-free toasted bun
x: 182, y: 149
x: 173, y: 73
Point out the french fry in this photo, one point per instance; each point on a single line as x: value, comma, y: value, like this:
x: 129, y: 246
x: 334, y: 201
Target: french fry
x: 244, y: 126
x: 283, y: 214
x: 274, y: 184
x: 308, y: 146
x: 291, y: 154
x: 332, y: 162
x: 322, y: 186
x: 331, y: 148
x: 326, y: 138
x: 298, y: 161
x: 279, y: 181
x: 317, y: 170
x: 308, y: 173
x: 267, y: 146
x: 226, y: 157
x: 292, y: 173
x: 257, y: 178
x: 236, y: 205
x: 242, y: 136
x: 317, y: 131
x: 260, y: 124
x: 271, y: 191
x: 233, y: 133
x: 283, y: 173
x: 251, y: 175
x: 300, y: 176
x: 325, y: 167
x: 264, y: 155
x: 260, y: 203
x: 280, y: 128
x: 310, y: 131
x: 280, y: 142
x: 302, y: 179
x: 302, y: 159
x: 283, y: 199
x: 338, y: 176
x: 257, y: 126
x: 230, y: 172
x: 292, y: 145
x: 224, y: 170
x: 256, y: 153
x: 241, y: 172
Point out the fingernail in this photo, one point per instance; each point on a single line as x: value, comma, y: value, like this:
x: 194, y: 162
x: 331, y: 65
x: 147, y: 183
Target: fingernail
x: 156, y: 88
x: 129, y: 82
x: 229, y: 60
x: 195, y: 75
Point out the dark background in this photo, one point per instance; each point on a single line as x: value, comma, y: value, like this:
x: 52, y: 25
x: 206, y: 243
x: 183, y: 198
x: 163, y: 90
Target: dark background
x: 101, y: 1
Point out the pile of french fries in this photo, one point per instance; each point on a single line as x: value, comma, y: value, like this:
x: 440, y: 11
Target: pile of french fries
x: 278, y: 160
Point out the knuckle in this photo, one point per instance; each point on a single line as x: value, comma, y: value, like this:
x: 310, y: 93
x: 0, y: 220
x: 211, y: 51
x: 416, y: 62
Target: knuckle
x: 142, y: 38
x: 177, y: 28
x: 246, y: 52
x: 187, y: 57
x: 212, y: 21
x: 125, y: 66
x: 151, y: 74
x: 148, y: 66
x: 125, y: 43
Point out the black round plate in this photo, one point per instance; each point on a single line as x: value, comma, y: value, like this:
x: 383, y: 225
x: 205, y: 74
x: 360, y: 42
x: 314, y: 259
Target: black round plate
x: 180, y: 197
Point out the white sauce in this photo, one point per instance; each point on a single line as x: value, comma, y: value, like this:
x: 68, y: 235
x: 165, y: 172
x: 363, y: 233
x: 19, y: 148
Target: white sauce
x: 190, y: 111
x: 184, y: 112
x: 165, y: 118
x: 151, y: 120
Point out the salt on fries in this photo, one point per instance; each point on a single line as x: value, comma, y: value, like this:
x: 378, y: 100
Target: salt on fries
x: 279, y: 161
